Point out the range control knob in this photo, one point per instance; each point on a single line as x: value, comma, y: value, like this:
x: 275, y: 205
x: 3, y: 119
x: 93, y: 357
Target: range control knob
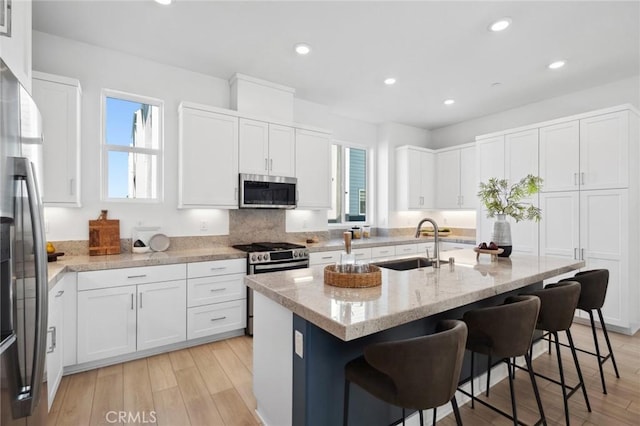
x: 266, y: 257
x: 253, y: 257
x: 259, y: 257
x: 305, y: 253
x: 295, y: 254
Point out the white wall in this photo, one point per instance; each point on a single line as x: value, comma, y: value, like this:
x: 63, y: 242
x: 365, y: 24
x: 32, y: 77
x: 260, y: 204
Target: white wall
x: 611, y: 94
x: 98, y: 68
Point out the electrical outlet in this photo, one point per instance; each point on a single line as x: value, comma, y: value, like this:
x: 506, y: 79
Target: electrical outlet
x: 204, y: 226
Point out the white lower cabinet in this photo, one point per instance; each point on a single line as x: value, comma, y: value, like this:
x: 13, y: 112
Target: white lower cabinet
x: 55, y: 333
x: 216, y: 297
x: 324, y: 257
x: 384, y: 251
x: 120, y: 319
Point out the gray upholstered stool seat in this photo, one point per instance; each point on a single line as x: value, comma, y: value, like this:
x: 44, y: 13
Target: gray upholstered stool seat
x: 418, y: 373
x: 504, y: 332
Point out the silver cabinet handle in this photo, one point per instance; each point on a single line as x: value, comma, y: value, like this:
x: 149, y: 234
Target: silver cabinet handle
x: 217, y: 289
x: 136, y: 276
x: 581, y: 254
x: 575, y: 253
x: 266, y: 164
x: 52, y: 348
x: 235, y: 194
x: 140, y: 300
x: 271, y: 165
x: 462, y: 200
x: 60, y: 293
x: 326, y: 257
x: 218, y: 319
x: 218, y: 268
x: 132, y: 307
x: 359, y: 254
x: 581, y: 178
x: 575, y: 179
x: 71, y: 191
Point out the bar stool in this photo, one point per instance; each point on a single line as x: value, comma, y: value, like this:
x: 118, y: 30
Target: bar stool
x: 418, y: 373
x: 505, y: 332
x: 557, y: 306
x: 592, y: 294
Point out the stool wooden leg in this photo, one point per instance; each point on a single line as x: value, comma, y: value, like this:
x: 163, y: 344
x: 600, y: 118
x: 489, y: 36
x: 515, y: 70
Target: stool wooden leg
x: 606, y: 338
x: 595, y: 341
x: 575, y: 361
x: 488, y: 373
x: 345, y: 409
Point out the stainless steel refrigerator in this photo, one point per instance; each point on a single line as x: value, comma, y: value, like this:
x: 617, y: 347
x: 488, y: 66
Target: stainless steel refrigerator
x: 23, y: 266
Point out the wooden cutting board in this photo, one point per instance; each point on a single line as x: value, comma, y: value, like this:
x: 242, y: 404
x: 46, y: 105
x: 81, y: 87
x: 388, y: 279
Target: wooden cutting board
x: 104, y: 237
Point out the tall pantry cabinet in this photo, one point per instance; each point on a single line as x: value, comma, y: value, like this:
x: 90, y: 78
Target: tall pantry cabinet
x: 590, y: 200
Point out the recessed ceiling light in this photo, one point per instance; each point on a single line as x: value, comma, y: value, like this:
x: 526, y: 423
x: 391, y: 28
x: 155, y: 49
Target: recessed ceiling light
x: 390, y: 81
x: 302, y: 49
x: 449, y: 102
x: 557, y: 64
x: 496, y: 84
x: 164, y: 2
x: 500, y: 25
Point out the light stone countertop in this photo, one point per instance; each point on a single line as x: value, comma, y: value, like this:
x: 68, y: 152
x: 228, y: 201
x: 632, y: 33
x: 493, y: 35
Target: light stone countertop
x: 128, y: 260
x: 404, y: 296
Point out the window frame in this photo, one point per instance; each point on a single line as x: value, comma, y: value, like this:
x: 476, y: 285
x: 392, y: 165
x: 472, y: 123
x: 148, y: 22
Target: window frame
x: 369, y: 188
x: 106, y: 148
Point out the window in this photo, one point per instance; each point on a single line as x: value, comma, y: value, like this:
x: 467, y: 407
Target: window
x: 348, y: 184
x: 132, y: 147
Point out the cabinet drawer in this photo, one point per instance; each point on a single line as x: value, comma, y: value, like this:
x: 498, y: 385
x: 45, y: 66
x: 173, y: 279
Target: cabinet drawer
x: 384, y: 251
x: 406, y: 249
x: 208, y: 320
x: 362, y: 253
x: 127, y: 276
x: 324, y: 258
x: 217, y: 267
x: 207, y: 290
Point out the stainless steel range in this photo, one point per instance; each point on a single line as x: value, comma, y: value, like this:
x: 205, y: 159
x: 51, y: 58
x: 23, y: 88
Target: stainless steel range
x: 271, y: 257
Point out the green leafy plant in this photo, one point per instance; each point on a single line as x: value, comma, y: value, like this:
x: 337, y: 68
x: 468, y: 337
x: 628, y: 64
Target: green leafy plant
x: 500, y: 198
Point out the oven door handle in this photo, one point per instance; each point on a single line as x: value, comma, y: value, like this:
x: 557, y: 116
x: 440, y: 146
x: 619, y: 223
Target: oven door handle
x: 280, y: 266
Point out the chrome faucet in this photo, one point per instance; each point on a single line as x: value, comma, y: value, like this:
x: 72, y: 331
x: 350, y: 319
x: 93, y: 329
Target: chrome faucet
x: 436, y: 251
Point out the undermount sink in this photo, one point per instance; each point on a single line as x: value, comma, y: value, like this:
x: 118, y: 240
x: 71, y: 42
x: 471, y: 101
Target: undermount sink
x: 407, y: 263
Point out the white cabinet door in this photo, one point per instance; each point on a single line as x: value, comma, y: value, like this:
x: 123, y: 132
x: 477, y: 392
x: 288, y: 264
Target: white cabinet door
x: 282, y: 152
x: 604, y: 242
x: 58, y: 99
x: 313, y: 169
x: 415, y: 178
x: 70, y: 318
x: 490, y: 158
x: 560, y: 156
x: 448, y: 179
x: 162, y: 314
x: 468, y: 180
x: 560, y: 224
x: 208, y: 159
x: 254, y: 147
x: 604, y: 151
x: 55, y: 333
x: 521, y: 159
x: 16, y: 50
x: 106, y: 323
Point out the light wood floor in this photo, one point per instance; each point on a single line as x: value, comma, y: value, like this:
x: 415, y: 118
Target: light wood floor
x: 210, y: 385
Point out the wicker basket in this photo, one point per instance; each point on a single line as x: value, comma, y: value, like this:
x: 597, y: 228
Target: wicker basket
x: 372, y: 278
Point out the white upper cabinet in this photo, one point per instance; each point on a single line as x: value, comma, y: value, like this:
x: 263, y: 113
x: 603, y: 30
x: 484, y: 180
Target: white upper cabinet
x: 560, y: 156
x: 207, y: 158
x: 16, y: 50
x: 415, y: 178
x: 58, y: 99
x: 521, y: 155
x: 456, y: 178
x: 604, y: 151
x: 266, y: 148
x: 490, y: 158
x: 591, y: 153
x: 313, y: 169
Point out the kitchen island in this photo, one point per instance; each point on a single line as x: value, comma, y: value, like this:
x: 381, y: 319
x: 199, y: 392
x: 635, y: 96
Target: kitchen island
x: 305, y: 331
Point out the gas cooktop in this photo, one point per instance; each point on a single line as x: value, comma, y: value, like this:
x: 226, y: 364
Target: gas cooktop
x: 253, y: 247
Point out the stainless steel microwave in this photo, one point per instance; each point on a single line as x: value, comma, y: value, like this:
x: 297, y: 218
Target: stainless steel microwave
x: 267, y: 192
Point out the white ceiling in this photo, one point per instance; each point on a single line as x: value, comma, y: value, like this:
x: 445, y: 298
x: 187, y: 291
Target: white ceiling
x: 436, y: 50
